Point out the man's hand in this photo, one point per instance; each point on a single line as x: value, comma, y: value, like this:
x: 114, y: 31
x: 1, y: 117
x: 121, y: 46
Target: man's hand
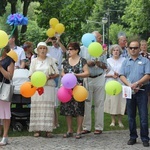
x: 91, y: 63
x: 48, y: 40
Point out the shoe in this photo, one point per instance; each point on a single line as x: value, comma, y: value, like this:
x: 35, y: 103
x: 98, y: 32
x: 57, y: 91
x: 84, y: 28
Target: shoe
x: 85, y: 132
x: 4, y: 141
x: 131, y: 141
x: 98, y: 132
x: 37, y: 134
x: 78, y: 136
x: 145, y: 144
x: 67, y: 135
x: 49, y: 135
x: 112, y: 124
x: 121, y: 125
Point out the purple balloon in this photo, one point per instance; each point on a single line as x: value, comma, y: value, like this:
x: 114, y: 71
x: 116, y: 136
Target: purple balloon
x: 64, y: 95
x: 69, y: 80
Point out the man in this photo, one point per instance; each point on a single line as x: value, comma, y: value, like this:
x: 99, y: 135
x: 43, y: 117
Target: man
x: 135, y: 73
x: 122, y: 42
x: 57, y: 50
x: 20, y: 52
x: 95, y: 85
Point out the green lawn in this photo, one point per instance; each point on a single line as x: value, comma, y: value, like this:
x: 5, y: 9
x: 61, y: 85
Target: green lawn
x: 63, y: 128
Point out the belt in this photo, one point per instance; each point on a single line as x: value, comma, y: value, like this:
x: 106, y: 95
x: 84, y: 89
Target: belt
x: 95, y: 76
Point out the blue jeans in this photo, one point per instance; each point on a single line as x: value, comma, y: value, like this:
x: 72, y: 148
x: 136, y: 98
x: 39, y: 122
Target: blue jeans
x: 140, y: 101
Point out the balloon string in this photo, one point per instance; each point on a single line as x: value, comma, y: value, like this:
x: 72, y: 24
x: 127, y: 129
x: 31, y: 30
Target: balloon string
x: 12, y: 32
x: 1, y: 52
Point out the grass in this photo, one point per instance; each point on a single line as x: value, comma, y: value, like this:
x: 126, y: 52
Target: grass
x: 63, y: 127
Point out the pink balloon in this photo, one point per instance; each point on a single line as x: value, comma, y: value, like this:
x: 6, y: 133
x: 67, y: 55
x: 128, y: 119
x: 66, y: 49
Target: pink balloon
x: 64, y: 95
x: 69, y: 80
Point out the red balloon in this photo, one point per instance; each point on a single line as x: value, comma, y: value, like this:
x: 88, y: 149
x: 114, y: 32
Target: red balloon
x: 64, y: 95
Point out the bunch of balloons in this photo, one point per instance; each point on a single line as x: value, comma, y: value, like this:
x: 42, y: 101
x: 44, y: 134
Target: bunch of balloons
x: 38, y: 80
x: 56, y: 28
x: 94, y: 48
x: 70, y: 89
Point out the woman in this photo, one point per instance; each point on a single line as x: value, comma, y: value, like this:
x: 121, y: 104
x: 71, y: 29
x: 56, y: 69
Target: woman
x: 42, y: 106
x: 28, y: 48
x: 144, y: 49
x: 6, y: 71
x: 115, y: 105
x: 71, y: 109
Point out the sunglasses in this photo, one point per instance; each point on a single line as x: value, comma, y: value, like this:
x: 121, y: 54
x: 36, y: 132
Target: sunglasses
x: 133, y: 48
x: 70, y: 49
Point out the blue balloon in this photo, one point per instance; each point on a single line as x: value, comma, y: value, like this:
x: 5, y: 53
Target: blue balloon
x: 87, y: 39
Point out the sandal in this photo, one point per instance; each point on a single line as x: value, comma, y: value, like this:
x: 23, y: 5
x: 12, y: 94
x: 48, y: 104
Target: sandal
x: 78, y: 136
x: 85, y: 131
x: 97, y: 131
x: 49, y: 135
x: 36, y: 134
x: 67, y: 135
x: 4, y: 141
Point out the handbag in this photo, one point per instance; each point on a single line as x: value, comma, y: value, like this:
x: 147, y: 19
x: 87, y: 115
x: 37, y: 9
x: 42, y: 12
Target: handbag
x: 6, y: 91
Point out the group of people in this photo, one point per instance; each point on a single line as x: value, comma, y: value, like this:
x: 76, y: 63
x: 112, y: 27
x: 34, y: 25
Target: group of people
x: 127, y: 64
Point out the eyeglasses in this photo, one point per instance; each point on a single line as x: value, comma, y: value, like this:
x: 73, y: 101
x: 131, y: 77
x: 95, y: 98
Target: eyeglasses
x: 134, y: 48
x: 70, y: 49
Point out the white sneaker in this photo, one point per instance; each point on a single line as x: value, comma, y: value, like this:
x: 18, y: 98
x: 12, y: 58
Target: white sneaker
x: 4, y: 141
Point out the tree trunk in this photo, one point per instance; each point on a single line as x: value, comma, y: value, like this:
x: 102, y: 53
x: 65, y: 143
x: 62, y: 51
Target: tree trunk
x: 13, y: 11
x: 25, y: 11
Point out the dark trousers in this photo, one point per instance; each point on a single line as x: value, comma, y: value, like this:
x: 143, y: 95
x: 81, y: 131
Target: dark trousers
x: 140, y: 101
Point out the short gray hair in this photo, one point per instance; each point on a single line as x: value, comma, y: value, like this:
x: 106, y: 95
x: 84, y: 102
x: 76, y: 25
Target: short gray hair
x: 115, y: 46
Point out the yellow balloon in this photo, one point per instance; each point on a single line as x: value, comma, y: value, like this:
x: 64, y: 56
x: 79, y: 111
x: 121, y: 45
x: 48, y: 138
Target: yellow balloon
x: 95, y: 49
x: 13, y: 55
x: 59, y: 28
x: 80, y: 93
x: 38, y: 79
x: 50, y: 32
x: 3, y: 39
x: 53, y: 22
x: 113, y: 87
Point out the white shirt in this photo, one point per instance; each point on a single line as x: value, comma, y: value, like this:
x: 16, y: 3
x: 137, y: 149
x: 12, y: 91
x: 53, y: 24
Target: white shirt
x: 21, y: 55
x: 56, y: 53
x: 93, y: 70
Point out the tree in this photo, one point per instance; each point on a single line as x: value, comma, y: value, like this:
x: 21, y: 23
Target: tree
x: 71, y: 13
x: 2, y: 7
x: 137, y: 17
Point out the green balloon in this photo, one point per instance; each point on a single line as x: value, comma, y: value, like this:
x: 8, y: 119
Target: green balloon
x: 38, y: 79
x: 113, y: 87
x: 95, y: 49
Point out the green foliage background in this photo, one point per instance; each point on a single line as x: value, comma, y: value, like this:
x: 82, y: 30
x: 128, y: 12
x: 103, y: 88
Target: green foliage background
x: 79, y: 17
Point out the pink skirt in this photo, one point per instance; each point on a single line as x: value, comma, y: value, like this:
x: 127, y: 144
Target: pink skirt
x: 5, y: 112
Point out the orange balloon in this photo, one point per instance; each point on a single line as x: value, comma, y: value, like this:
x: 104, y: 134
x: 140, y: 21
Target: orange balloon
x: 80, y: 93
x: 53, y: 22
x: 50, y: 32
x: 27, y: 89
x: 59, y: 28
x: 13, y: 55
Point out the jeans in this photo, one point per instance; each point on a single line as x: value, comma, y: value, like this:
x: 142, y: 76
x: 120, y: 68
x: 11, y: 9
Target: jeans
x: 140, y: 101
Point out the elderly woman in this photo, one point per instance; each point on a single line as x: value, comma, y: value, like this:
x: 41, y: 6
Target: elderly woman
x: 42, y: 105
x: 6, y: 71
x: 115, y: 105
x: 78, y: 66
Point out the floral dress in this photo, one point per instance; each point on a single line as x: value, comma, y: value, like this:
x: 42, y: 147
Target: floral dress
x: 73, y: 108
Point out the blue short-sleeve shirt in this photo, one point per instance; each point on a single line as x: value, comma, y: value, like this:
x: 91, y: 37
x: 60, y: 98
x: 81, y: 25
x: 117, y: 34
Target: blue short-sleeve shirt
x: 134, y: 70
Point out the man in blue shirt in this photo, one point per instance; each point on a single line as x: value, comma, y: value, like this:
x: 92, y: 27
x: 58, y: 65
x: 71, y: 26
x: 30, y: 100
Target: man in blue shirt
x: 135, y: 72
